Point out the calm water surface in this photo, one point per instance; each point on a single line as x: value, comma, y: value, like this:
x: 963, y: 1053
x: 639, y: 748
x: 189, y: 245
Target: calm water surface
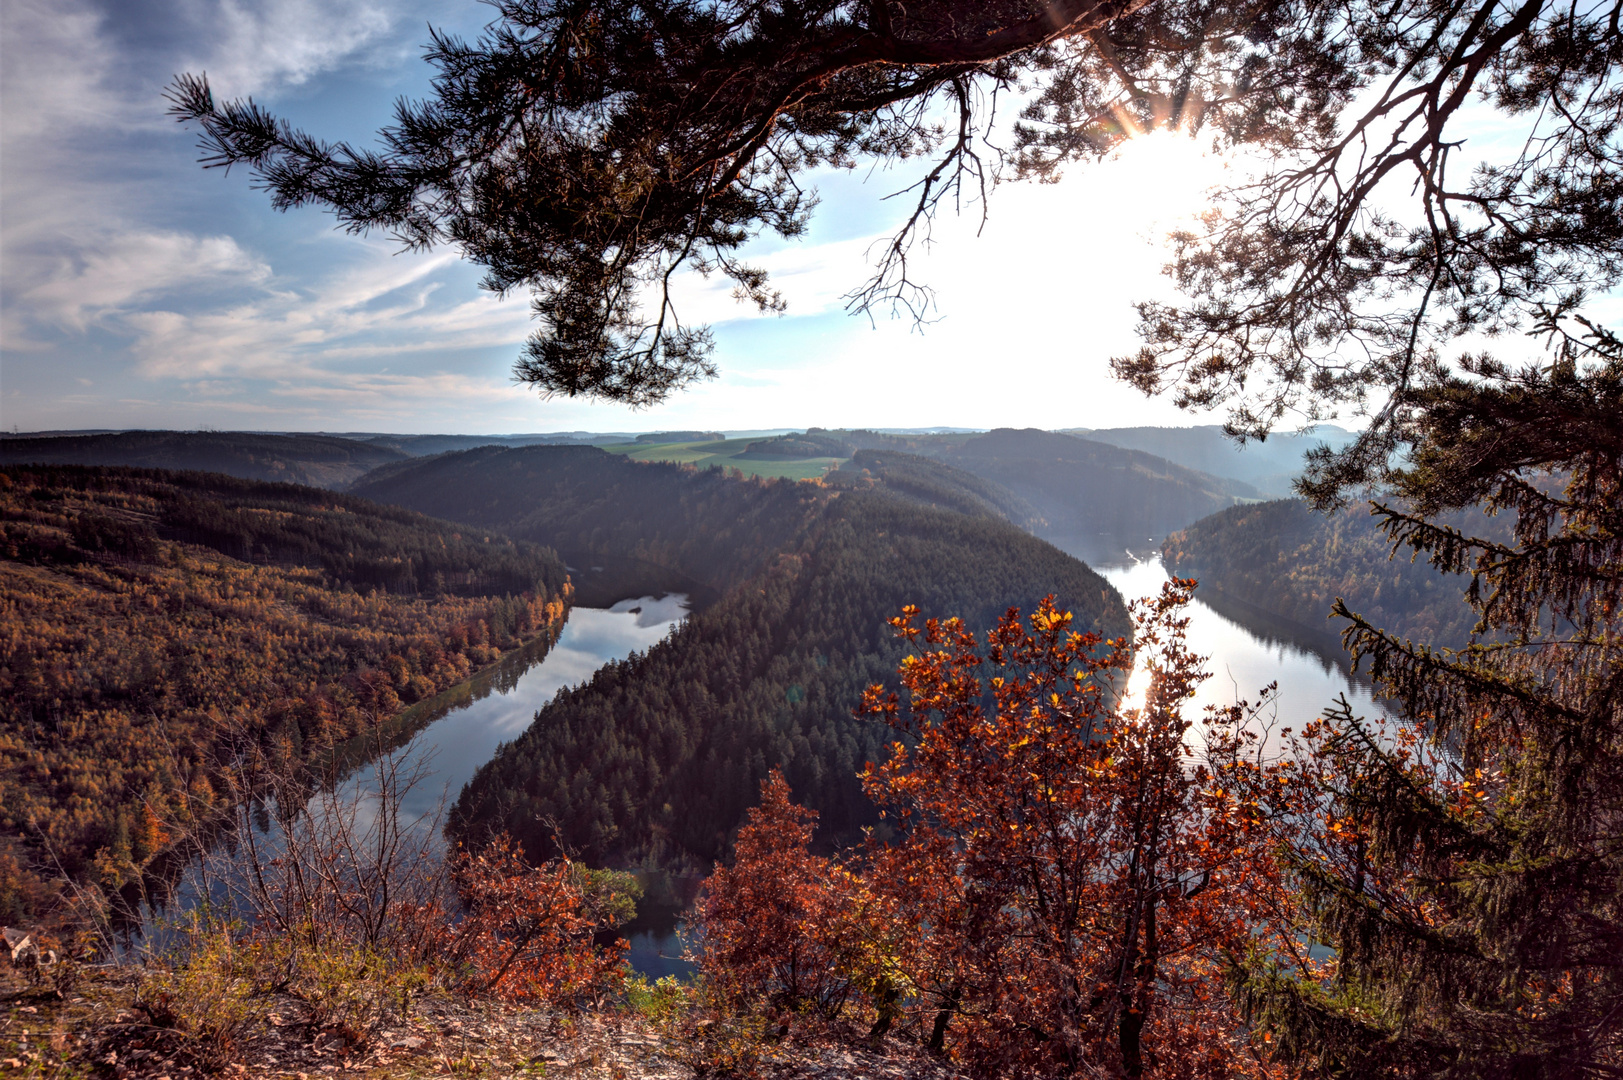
x: 466, y: 733
x: 462, y: 729
x: 1247, y: 651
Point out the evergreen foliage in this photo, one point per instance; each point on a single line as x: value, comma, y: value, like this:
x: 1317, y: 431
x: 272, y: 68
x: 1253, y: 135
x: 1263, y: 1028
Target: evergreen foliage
x: 586, y: 502
x: 589, y: 151
x: 1286, y: 559
x: 934, y: 483
x: 318, y: 460
x: 659, y: 757
x: 1465, y: 865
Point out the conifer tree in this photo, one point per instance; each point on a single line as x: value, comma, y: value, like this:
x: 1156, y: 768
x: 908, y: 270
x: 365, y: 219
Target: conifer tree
x: 1467, y: 865
x: 591, y: 150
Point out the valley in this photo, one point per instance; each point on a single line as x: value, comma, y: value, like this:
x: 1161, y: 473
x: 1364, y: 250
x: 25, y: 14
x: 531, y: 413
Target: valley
x: 644, y: 748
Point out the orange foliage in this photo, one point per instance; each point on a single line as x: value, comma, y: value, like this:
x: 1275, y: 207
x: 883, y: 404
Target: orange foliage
x: 771, y: 922
x: 529, y: 932
x: 133, y: 680
x: 1070, y: 873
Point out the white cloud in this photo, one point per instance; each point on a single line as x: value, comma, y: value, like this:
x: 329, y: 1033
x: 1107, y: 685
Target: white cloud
x: 260, y: 46
x: 55, y: 73
x: 375, y: 307
x: 107, y: 274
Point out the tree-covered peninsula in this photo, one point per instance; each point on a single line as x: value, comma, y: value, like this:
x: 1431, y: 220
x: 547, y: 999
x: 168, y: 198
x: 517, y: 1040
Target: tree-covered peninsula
x: 658, y: 758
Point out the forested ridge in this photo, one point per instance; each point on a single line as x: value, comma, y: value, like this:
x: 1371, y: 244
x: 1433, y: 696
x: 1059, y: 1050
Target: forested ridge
x: 657, y: 758
x: 1080, y: 493
x: 327, y: 461
x: 935, y: 483
x: 1285, y: 558
x: 157, y: 624
x: 584, y: 502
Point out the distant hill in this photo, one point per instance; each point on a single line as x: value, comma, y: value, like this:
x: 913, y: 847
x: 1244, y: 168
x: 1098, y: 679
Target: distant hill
x: 428, y: 445
x: 590, y: 504
x: 1093, y: 498
x: 679, y: 436
x: 798, y: 446
x: 1291, y: 562
x: 791, y: 457
x: 324, y: 461
x: 934, y: 483
x: 1268, y: 466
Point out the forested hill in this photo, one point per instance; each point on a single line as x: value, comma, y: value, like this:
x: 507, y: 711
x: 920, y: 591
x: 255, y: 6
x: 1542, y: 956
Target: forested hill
x: 588, y: 504
x: 1085, y: 495
x: 1286, y: 559
x: 1269, y: 466
x: 657, y: 758
x: 325, y: 461
x: 930, y: 482
x: 154, y: 626
x: 1087, y: 491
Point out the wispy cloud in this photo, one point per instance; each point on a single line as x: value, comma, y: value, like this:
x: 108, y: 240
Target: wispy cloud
x: 56, y: 75
x: 374, y: 308
x: 103, y: 277
x: 252, y: 48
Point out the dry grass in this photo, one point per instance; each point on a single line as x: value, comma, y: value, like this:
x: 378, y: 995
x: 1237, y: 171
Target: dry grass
x: 95, y: 1029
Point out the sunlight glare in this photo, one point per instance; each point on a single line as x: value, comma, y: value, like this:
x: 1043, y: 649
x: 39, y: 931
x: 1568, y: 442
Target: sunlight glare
x: 1163, y: 180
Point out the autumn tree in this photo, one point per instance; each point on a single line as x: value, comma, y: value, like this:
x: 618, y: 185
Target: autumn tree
x: 1070, y: 871
x: 530, y: 933
x: 771, y: 920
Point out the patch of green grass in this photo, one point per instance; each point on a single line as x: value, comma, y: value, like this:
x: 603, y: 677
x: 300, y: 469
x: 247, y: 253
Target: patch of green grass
x: 680, y: 453
x: 727, y: 453
x: 789, y: 468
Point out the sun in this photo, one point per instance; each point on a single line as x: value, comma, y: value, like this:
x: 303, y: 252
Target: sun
x: 1162, y: 179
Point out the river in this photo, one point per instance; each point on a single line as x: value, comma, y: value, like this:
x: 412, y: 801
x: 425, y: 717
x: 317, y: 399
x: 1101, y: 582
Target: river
x: 1245, y: 650
x: 462, y: 729
x: 457, y: 736
x: 458, y: 732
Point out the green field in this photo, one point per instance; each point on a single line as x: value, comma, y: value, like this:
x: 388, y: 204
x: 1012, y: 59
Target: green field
x: 728, y: 453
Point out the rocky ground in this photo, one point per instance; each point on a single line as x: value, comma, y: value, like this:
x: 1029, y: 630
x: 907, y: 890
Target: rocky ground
x: 85, y: 1025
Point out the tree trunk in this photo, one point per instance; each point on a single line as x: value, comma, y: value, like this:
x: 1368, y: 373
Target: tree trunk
x: 938, y: 1034
x: 1132, y: 1018
x: 887, y: 1013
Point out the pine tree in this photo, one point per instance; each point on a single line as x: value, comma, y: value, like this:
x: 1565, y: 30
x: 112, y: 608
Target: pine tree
x: 1467, y: 865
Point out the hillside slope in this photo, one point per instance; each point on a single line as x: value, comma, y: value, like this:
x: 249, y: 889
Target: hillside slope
x: 1091, y: 495
x: 324, y: 461
x: 1284, y: 558
x: 931, y: 482
x: 658, y: 758
x: 155, y: 626
x: 1269, y: 466
x: 591, y: 505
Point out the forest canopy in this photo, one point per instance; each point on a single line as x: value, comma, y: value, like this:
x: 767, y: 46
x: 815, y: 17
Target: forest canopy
x: 1286, y: 559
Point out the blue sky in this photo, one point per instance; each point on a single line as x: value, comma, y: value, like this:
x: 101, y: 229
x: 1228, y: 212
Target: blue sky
x: 139, y: 290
